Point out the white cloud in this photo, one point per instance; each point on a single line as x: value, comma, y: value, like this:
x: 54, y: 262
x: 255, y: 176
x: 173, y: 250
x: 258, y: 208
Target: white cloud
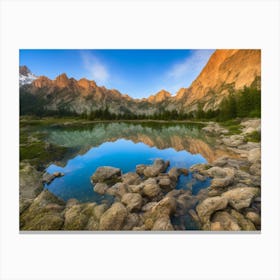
x: 190, y: 67
x: 97, y: 70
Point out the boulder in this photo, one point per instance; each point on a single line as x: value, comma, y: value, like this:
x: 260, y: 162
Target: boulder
x: 222, y: 176
x: 233, y: 140
x: 148, y: 206
x: 255, y: 155
x: 253, y: 217
x: 74, y: 218
x: 99, y: 210
x: 199, y: 177
x: 166, y: 184
x: 157, y: 167
x: 44, y: 213
x: 240, y: 198
x: 118, y: 190
x: 223, y: 221
x: 135, y: 188
x: 166, y: 206
x: 131, y: 178
x: 114, y: 217
x: 100, y: 188
x: 209, y: 205
x: 242, y: 221
x: 140, y: 169
x: 133, y: 201
x: 151, y: 189
x: 131, y: 221
x: 106, y: 174
x: 163, y: 223
x: 255, y: 169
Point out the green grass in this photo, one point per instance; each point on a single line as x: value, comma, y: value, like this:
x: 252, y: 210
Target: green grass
x: 233, y: 126
x: 253, y: 137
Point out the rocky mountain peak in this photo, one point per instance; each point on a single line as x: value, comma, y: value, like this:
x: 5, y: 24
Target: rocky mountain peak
x: 25, y: 76
x: 160, y: 96
x: 23, y: 70
x: 87, y: 84
x: 62, y: 80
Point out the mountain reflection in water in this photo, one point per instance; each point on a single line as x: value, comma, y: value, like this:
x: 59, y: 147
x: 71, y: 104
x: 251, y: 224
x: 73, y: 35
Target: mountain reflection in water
x: 124, y: 145
x: 180, y: 137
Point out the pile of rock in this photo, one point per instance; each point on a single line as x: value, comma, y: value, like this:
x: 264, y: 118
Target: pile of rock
x: 144, y: 200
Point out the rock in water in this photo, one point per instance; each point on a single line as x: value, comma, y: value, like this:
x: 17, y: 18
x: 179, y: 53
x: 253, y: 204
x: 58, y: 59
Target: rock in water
x: 114, y: 217
x: 106, y: 174
x: 158, y: 166
x: 100, y: 188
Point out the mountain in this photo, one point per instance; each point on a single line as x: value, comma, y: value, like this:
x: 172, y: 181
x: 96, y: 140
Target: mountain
x: 25, y: 76
x: 227, y: 71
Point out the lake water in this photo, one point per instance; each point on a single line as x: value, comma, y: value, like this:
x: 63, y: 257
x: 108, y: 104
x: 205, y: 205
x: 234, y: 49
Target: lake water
x: 124, y: 145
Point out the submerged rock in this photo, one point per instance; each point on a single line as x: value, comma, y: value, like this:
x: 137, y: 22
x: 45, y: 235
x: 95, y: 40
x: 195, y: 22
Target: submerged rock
x: 106, y: 174
x: 48, y: 178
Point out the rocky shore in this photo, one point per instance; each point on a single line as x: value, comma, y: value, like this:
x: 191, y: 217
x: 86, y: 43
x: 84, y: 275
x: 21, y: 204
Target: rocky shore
x: 148, y: 199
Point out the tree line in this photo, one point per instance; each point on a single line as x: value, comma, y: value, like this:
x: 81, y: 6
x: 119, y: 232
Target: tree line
x: 245, y: 103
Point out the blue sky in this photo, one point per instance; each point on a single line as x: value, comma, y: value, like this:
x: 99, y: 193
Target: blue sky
x: 138, y: 73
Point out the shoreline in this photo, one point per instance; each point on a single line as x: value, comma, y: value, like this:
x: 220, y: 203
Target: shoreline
x: 229, y: 176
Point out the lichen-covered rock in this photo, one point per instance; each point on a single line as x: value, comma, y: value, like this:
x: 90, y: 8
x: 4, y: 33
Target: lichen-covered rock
x: 44, y: 213
x: 133, y: 201
x: 114, y: 217
x: 100, y: 188
x: 106, y: 174
x: 209, y: 205
x: 241, y: 197
x: 75, y: 219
